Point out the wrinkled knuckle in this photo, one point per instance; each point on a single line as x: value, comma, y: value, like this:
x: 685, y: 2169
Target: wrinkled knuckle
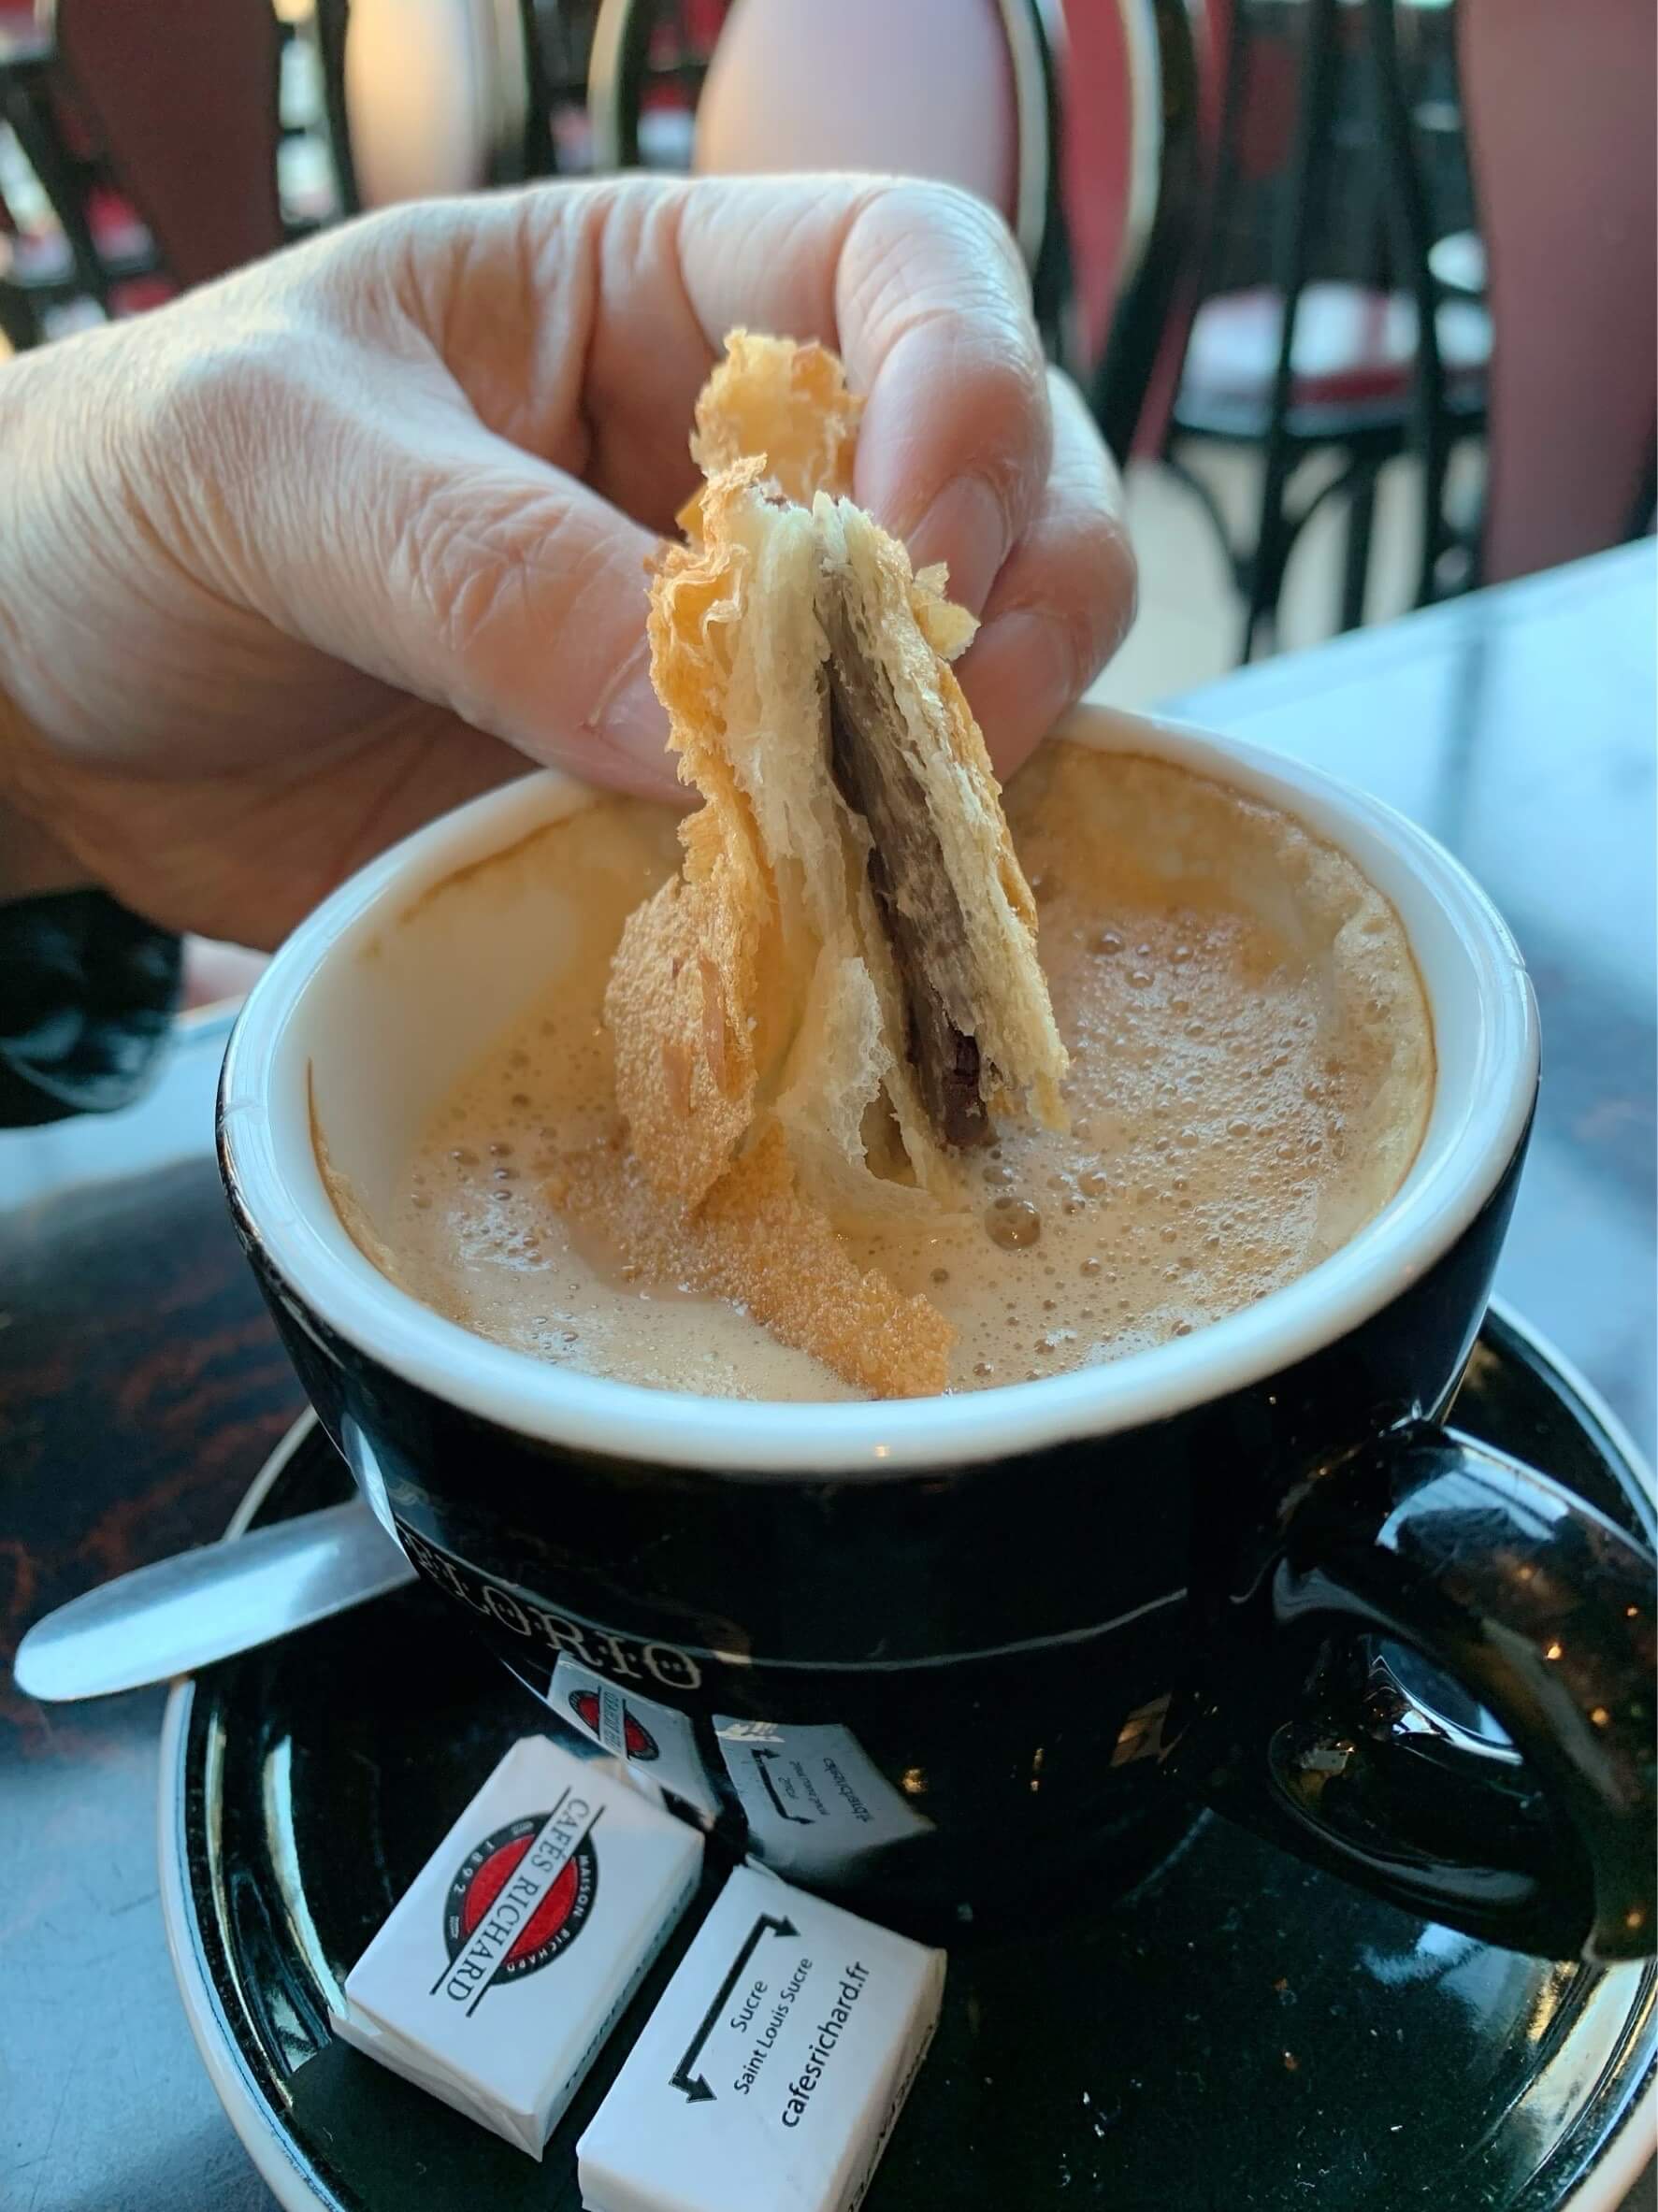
x: 455, y: 567
x: 217, y: 436
x: 1101, y: 586
x: 919, y: 220
x: 461, y: 598
x: 212, y: 395
x: 924, y: 203
x: 182, y: 400
x: 971, y: 225
x: 470, y: 568
x: 1116, y: 574
x: 1009, y: 401
x: 368, y: 274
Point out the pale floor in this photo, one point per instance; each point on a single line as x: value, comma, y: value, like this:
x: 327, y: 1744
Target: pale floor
x: 1188, y: 629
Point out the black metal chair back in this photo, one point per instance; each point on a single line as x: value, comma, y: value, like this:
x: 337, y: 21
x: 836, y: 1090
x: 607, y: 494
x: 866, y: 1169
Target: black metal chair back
x: 1362, y: 413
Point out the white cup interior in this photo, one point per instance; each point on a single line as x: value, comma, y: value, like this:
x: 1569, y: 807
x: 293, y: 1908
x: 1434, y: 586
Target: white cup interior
x: 398, y: 983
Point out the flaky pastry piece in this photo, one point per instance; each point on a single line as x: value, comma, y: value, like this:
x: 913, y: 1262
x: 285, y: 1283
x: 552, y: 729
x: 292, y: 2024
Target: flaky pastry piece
x: 851, y: 946
x: 757, y: 1241
x: 785, y: 402
x: 843, y: 983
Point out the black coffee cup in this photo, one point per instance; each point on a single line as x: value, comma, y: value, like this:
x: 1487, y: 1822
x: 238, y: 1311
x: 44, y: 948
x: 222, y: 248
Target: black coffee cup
x: 950, y: 1657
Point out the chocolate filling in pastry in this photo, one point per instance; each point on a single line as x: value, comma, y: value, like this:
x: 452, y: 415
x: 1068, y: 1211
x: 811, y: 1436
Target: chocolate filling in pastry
x: 919, y: 911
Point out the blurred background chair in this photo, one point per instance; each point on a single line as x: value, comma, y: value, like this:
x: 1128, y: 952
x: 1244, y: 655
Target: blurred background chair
x: 1309, y: 259
x: 1321, y: 341
x: 646, y: 68
x: 1136, y: 150
x: 1565, y: 148
x: 73, y: 242
x: 781, y: 97
x: 179, y: 104
x: 1253, y: 228
x: 789, y: 87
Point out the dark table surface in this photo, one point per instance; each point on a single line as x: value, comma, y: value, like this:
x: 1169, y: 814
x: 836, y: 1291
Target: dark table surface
x: 141, y: 1383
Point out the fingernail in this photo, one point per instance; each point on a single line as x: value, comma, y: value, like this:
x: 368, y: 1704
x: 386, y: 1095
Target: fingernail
x: 965, y: 527
x: 630, y: 723
x: 1020, y: 675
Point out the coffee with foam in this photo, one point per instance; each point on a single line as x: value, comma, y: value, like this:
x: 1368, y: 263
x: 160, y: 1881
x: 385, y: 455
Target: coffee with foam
x: 1251, y: 1072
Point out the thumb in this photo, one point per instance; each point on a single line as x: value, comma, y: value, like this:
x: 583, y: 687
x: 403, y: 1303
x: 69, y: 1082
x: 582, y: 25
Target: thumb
x: 429, y: 553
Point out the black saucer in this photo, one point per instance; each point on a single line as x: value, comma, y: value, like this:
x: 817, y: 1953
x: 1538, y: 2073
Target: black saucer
x: 1241, y: 2033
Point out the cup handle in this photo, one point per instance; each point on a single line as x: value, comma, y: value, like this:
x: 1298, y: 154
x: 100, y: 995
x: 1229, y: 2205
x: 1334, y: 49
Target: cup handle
x: 1538, y: 1606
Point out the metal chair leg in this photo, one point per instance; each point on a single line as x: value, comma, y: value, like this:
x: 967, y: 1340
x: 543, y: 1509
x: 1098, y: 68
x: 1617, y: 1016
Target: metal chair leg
x: 332, y: 20
x: 1645, y: 503
x: 1355, y: 573
x: 28, y: 109
x: 1263, y: 571
x: 1291, y: 261
x: 20, y: 325
x: 1408, y: 214
x: 1437, y: 535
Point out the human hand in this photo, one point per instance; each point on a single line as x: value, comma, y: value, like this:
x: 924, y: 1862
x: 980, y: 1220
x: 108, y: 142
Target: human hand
x: 295, y: 564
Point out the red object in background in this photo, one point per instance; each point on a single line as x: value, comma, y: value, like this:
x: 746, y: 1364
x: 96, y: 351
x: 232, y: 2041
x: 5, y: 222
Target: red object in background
x: 1272, y: 86
x: 80, y: 140
x: 137, y: 296
x: 1096, y: 132
x: 180, y: 96
x: 1560, y: 131
x: 117, y: 227
x: 703, y: 20
x: 1559, y: 117
x: 686, y: 33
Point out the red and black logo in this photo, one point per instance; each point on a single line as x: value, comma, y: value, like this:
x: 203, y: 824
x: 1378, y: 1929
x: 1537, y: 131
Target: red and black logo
x: 502, y: 1918
x: 637, y: 1740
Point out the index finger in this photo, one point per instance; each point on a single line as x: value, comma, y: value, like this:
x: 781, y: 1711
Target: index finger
x: 921, y: 289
